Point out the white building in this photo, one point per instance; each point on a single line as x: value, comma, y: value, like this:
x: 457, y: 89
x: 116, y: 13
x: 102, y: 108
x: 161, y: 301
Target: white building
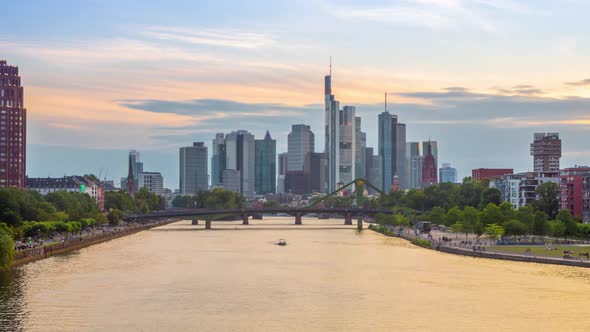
x: 153, y: 182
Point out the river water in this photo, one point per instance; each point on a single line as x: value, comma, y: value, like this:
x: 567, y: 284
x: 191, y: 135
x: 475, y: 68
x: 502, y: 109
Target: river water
x: 329, y: 277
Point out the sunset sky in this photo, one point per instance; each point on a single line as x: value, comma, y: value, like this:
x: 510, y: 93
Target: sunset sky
x: 479, y: 76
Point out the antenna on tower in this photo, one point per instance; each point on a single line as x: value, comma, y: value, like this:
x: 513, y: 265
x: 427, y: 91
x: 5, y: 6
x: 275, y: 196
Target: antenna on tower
x: 385, y: 101
x: 330, y: 65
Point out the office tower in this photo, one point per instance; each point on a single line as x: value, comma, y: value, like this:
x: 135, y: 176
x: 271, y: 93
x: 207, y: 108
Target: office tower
x: 218, y: 160
x: 392, y: 149
x: 130, y: 181
x: 376, y: 172
x: 194, y: 169
x: 232, y: 180
x: 546, y: 151
x: 332, y: 134
x: 479, y: 174
x: 315, y: 172
x: 301, y: 141
x: 368, y: 151
x: 447, y: 174
x: 413, y: 172
x: 265, y: 165
x: 347, y: 144
x: 152, y: 181
x: 124, y: 184
x: 434, y: 148
x: 429, y: 169
x: 360, y: 145
x: 13, y: 132
x: 240, y: 156
x: 136, y: 167
x: 282, y: 160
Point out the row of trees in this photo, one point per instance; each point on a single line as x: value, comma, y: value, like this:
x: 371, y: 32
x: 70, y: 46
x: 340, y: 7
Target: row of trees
x: 142, y: 202
x: 217, y: 198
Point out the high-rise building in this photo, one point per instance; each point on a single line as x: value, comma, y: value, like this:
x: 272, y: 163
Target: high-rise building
x: 232, y: 180
x: 13, y: 129
x: 194, y: 169
x: 240, y: 156
x: 218, y: 160
x: 282, y: 177
x: 413, y: 173
x: 521, y: 189
x: 546, y: 151
x: 575, y: 191
x: 332, y: 134
x: 447, y: 174
x: 429, y: 169
x: 301, y: 141
x: 361, y: 144
x: 153, y: 182
x: 265, y: 165
x: 376, y: 172
x: 315, y: 171
x: 136, y: 167
x: 130, y: 181
x: 392, y: 149
x: 347, y: 144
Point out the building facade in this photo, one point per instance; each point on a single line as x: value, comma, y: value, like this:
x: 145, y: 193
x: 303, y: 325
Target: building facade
x: 429, y: 176
x: 546, y: 152
x: 240, y: 156
x: 76, y: 184
x: 194, y: 169
x: 488, y: 173
x: 392, y: 149
x: 574, y: 187
x: 413, y: 165
x: 332, y: 134
x: 361, y: 145
x: 265, y: 165
x: 521, y: 189
x: 347, y: 144
x: 153, y: 182
x: 13, y: 128
x: 300, y: 142
x: 447, y: 174
x: 218, y: 163
x: 315, y: 172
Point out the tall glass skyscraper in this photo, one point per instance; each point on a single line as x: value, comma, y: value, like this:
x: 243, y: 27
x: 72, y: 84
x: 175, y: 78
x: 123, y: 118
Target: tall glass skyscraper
x: 193, y: 169
x: 240, y: 156
x: 347, y: 144
x: 392, y: 149
x: 300, y: 142
x: 218, y: 160
x: 265, y: 165
x: 332, y: 134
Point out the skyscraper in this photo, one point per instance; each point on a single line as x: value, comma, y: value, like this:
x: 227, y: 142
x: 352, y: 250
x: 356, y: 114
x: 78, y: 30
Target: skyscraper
x: 13, y: 132
x: 240, y: 156
x: 265, y: 165
x: 301, y: 141
x: 332, y: 134
x: 429, y: 169
x: 315, y: 172
x: 136, y: 167
x: 434, y: 148
x: 152, y: 181
x: 193, y: 169
x: 347, y: 144
x: 413, y: 165
x: 546, y: 151
x: 218, y: 160
x: 392, y: 149
x: 447, y: 174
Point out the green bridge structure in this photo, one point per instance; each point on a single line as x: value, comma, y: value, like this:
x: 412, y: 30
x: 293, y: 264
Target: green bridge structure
x: 357, y: 211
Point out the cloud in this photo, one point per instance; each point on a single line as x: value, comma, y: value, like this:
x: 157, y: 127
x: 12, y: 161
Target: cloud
x: 211, y: 37
x: 579, y: 83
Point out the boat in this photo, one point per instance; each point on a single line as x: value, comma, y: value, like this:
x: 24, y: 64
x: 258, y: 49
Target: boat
x: 282, y: 242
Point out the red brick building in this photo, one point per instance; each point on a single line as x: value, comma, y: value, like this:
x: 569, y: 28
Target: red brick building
x: 13, y: 128
x: 429, y: 170
x: 574, y: 189
x: 488, y: 173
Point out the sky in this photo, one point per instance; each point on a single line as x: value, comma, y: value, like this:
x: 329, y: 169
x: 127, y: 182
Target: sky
x: 480, y: 76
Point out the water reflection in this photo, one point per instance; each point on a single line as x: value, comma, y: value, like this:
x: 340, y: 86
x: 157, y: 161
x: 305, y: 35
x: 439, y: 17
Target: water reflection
x: 12, y: 312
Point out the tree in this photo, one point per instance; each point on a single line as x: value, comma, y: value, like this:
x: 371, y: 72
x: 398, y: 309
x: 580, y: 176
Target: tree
x: 571, y: 227
x: 507, y: 211
x: 415, y: 199
x: 470, y: 219
x: 6, y: 248
x: 548, y: 198
x: 491, y: 215
x: 457, y: 227
x: 515, y: 227
x: 494, y: 231
x: 453, y: 216
x: 556, y: 228
x: 526, y: 215
x: 115, y: 217
x: 491, y: 195
x: 437, y: 215
x: 541, y: 224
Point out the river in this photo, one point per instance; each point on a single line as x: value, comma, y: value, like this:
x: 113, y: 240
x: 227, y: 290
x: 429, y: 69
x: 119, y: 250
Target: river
x: 329, y: 277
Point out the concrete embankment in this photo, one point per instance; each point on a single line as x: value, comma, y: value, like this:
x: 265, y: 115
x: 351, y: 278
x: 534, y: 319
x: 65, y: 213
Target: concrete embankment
x: 29, y: 255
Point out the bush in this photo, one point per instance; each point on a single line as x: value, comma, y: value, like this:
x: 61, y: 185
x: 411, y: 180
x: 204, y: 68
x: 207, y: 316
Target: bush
x: 422, y: 243
x: 6, y: 248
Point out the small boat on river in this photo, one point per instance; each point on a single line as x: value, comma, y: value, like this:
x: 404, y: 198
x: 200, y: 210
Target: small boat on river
x: 282, y: 242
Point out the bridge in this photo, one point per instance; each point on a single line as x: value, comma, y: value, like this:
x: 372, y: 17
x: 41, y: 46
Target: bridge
x: 298, y: 213
x: 358, y: 211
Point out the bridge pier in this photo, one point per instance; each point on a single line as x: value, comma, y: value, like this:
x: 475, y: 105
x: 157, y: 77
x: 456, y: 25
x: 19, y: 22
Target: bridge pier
x: 195, y: 222
x: 298, y: 219
x: 245, y: 219
x: 348, y: 218
x: 359, y: 223
x: 207, y: 224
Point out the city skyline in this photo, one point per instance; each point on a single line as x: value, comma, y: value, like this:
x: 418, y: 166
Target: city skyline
x: 245, y: 71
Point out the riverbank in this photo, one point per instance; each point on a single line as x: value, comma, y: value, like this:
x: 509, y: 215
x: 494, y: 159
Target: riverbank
x: 33, y: 254
x: 479, y: 253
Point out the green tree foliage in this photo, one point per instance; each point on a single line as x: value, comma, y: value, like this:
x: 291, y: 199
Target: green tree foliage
x: 115, y: 216
x: 453, y: 215
x: 541, y: 224
x: 491, y: 214
x: 119, y: 200
x: 515, y: 227
x: 569, y: 223
x: 494, y: 231
x: 548, y: 201
x: 507, y: 211
x: 437, y: 215
x: 6, y: 247
x: 457, y: 227
x: 526, y: 215
x: 556, y: 228
x: 491, y: 195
